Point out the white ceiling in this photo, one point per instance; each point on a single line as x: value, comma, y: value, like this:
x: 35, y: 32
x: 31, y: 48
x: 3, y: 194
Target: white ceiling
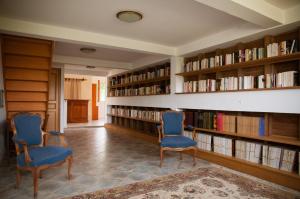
x: 166, y: 22
x: 284, y: 4
x: 111, y: 54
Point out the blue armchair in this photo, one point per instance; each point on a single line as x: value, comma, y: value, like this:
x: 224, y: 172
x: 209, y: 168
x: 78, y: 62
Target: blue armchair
x: 170, y: 135
x: 33, y: 154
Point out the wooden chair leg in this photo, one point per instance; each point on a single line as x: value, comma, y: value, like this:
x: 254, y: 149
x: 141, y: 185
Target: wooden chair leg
x: 161, y: 156
x: 194, y: 157
x: 18, y: 178
x: 35, y: 175
x: 70, y: 160
x: 40, y: 174
x: 180, y: 155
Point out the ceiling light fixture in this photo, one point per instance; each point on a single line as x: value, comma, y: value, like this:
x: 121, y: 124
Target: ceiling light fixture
x: 87, y: 50
x: 90, y: 67
x: 129, y: 16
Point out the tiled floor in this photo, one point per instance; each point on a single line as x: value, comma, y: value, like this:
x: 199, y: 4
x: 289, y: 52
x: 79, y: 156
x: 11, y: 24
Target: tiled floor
x: 103, y: 158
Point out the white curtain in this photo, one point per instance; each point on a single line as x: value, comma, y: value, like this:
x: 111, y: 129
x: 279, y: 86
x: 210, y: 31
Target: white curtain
x: 72, y: 88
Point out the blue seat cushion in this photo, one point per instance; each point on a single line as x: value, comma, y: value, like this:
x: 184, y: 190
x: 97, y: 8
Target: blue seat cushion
x: 177, y: 142
x: 44, y: 155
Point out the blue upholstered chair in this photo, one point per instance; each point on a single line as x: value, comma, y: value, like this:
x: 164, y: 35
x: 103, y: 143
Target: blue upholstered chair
x: 170, y: 135
x: 33, y: 154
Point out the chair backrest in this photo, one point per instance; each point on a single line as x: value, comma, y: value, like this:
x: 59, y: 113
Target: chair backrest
x: 172, y: 122
x: 28, y: 128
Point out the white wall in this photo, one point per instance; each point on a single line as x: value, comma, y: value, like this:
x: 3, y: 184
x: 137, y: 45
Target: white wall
x: 283, y: 101
x: 2, y: 113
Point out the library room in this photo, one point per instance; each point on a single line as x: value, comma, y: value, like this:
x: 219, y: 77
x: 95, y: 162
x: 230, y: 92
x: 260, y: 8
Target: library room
x: 150, y: 99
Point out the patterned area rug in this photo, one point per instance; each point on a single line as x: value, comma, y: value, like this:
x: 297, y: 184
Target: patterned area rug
x: 202, y: 183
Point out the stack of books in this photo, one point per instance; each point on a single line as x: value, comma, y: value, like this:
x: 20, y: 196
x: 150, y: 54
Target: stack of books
x: 248, y: 151
x: 278, y: 158
x: 283, y: 79
x: 282, y: 48
x: 204, y: 141
x: 228, y: 83
x: 192, y: 66
x: 250, y: 126
x: 208, y: 85
x: 222, y: 145
x: 251, y: 82
x: 190, y: 86
x: 226, y: 122
x: 286, y: 79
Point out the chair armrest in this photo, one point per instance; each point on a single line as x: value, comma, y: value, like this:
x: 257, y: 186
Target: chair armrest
x: 191, y: 128
x: 159, y: 128
x: 25, y: 148
x: 55, y: 133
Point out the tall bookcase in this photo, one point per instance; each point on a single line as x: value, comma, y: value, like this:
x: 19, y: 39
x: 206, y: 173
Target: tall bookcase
x: 268, y: 63
x: 154, y: 80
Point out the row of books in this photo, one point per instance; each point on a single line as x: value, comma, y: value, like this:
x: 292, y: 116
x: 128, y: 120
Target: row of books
x: 283, y: 79
x: 154, y: 90
x: 147, y: 90
x: 272, y: 156
x: 243, y: 55
x: 251, y: 82
x: 278, y: 157
x: 228, y: 83
x: 199, y: 119
x: 279, y: 80
x: 282, y: 48
x: 226, y: 122
x: 135, y: 113
x: 250, y: 125
x: 162, y: 72
x: 229, y: 58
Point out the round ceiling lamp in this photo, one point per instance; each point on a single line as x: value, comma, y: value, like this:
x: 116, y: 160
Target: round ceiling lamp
x: 129, y: 16
x: 88, y: 50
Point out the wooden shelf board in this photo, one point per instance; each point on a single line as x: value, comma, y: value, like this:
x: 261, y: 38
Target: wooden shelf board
x: 269, y: 60
x: 26, y: 55
x: 245, y: 90
x: 274, y: 139
x: 141, y: 82
x: 151, y: 121
x: 139, y: 95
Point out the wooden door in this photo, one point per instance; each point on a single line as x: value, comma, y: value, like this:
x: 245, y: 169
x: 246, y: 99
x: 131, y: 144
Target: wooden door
x: 54, y: 99
x: 94, y: 102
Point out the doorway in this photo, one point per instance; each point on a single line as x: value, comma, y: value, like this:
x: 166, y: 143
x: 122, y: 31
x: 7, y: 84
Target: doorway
x: 85, y: 101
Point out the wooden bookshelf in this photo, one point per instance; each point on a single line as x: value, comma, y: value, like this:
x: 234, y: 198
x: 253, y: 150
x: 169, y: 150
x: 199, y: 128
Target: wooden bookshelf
x: 287, y: 179
x: 280, y: 130
x: 265, y: 66
x: 153, y: 80
x: 139, y: 118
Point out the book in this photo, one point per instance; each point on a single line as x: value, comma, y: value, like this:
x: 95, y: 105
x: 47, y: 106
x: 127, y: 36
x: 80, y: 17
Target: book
x: 288, y: 159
